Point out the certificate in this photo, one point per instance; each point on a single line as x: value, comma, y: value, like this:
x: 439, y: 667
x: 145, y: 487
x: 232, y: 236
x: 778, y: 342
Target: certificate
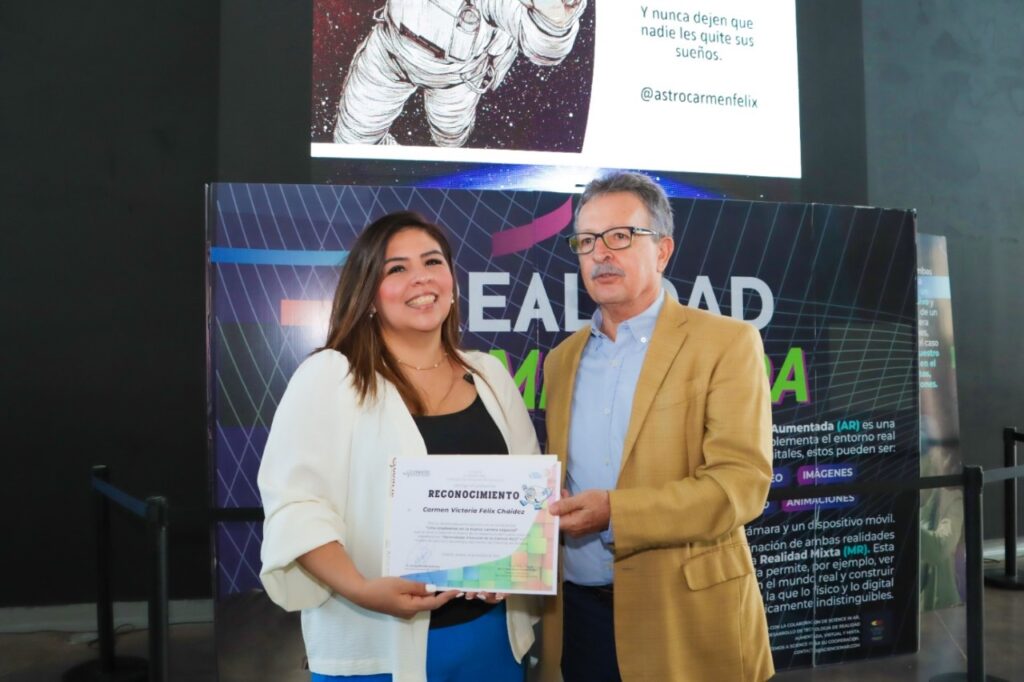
x: 474, y: 522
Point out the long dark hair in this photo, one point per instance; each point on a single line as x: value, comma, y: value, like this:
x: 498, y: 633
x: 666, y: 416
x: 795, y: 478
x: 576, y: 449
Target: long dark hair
x: 357, y: 335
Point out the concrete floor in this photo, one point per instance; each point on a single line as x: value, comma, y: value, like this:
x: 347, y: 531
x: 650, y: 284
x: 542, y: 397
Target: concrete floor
x: 44, y: 656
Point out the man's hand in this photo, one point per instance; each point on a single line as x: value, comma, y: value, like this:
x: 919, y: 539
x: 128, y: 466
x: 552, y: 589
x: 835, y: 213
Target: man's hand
x: 588, y: 512
x: 399, y: 597
x: 558, y: 12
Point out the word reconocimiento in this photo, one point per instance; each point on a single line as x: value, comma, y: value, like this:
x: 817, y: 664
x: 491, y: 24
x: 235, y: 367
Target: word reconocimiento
x: 474, y: 494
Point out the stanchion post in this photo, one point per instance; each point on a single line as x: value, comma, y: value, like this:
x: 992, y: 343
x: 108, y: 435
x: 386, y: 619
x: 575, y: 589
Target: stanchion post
x: 974, y: 482
x: 104, y: 597
x: 159, y: 622
x: 1008, y: 577
x: 1010, y: 502
x: 108, y: 667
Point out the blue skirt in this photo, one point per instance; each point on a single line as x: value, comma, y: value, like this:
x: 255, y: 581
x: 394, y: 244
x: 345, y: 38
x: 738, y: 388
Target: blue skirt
x: 470, y: 652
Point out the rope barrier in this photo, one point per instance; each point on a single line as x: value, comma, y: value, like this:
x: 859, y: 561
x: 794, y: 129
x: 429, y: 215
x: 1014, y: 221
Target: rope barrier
x: 1004, y: 474
x: 119, y: 497
x: 871, y: 488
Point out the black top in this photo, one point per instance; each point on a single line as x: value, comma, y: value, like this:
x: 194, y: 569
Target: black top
x: 471, y: 431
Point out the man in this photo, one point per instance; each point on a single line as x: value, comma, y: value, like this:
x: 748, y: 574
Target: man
x: 662, y: 417
x: 455, y: 51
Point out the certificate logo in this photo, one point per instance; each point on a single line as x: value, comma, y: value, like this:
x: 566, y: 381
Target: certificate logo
x: 535, y: 495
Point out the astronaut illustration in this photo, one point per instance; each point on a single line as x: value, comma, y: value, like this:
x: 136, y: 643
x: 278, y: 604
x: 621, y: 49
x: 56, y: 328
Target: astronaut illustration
x: 455, y: 50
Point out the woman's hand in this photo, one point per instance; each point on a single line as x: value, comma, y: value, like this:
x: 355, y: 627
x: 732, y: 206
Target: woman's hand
x: 331, y: 565
x: 399, y: 597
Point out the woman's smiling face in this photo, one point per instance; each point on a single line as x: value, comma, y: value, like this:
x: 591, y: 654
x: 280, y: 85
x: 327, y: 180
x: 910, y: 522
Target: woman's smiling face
x: 416, y: 287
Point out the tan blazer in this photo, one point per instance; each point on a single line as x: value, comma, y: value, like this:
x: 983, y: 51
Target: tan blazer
x: 696, y: 466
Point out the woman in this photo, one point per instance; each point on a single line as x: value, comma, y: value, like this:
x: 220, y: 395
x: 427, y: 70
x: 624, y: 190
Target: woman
x: 390, y: 380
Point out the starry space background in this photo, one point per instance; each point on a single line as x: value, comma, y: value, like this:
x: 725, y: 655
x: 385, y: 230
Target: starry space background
x: 536, y: 108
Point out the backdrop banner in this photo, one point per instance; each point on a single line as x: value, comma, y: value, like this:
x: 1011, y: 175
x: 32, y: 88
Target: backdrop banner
x: 943, y: 553
x: 832, y: 289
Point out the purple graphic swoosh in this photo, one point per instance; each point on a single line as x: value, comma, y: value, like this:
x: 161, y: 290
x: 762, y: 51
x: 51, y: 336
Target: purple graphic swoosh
x: 523, y: 237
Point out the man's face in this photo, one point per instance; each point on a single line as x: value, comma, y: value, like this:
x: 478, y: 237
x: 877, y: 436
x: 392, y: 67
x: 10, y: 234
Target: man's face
x: 623, y: 282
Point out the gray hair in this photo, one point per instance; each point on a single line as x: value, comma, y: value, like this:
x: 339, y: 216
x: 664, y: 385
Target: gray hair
x: 643, y: 187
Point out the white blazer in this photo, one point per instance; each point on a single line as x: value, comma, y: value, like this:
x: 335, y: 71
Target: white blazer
x: 324, y: 479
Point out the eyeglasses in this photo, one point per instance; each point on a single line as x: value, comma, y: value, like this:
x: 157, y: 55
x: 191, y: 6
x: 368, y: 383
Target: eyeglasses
x: 616, y: 239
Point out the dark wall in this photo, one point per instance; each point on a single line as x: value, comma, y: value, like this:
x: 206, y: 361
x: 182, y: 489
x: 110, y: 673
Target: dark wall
x: 265, y: 90
x: 944, y: 86
x: 108, y: 133
x: 831, y: 102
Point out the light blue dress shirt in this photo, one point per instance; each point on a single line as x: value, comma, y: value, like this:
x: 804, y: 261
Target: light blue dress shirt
x: 602, y: 401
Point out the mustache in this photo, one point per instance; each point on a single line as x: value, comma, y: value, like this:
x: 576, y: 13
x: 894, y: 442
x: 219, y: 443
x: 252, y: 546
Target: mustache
x: 606, y: 269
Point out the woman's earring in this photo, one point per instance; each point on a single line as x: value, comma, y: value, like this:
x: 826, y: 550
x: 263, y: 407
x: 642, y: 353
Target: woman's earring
x: 373, y: 311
